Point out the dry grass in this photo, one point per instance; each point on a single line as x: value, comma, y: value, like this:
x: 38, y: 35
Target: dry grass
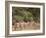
x: 25, y: 26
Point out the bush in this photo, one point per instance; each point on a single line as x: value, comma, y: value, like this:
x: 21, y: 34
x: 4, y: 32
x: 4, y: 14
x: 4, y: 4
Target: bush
x: 25, y: 14
x: 18, y: 18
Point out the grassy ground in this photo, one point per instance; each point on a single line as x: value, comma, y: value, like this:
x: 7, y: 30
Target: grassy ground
x: 25, y: 26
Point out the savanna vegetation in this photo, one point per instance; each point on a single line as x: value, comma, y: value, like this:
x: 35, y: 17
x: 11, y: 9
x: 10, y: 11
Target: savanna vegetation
x: 30, y: 16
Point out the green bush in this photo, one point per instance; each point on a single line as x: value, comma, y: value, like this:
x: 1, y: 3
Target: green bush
x: 18, y: 18
x: 25, y: 14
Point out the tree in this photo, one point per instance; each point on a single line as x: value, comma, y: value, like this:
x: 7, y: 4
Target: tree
x: 25, y: 14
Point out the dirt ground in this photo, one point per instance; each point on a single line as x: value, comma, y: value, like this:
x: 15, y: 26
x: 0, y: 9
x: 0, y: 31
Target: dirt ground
x: 25, y: 26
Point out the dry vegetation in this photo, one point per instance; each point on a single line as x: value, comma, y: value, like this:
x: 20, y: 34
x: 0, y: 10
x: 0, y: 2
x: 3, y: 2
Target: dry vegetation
x: 26, y: 26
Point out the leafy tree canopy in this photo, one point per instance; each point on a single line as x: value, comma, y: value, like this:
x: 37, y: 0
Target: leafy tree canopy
x: 25, y: 14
